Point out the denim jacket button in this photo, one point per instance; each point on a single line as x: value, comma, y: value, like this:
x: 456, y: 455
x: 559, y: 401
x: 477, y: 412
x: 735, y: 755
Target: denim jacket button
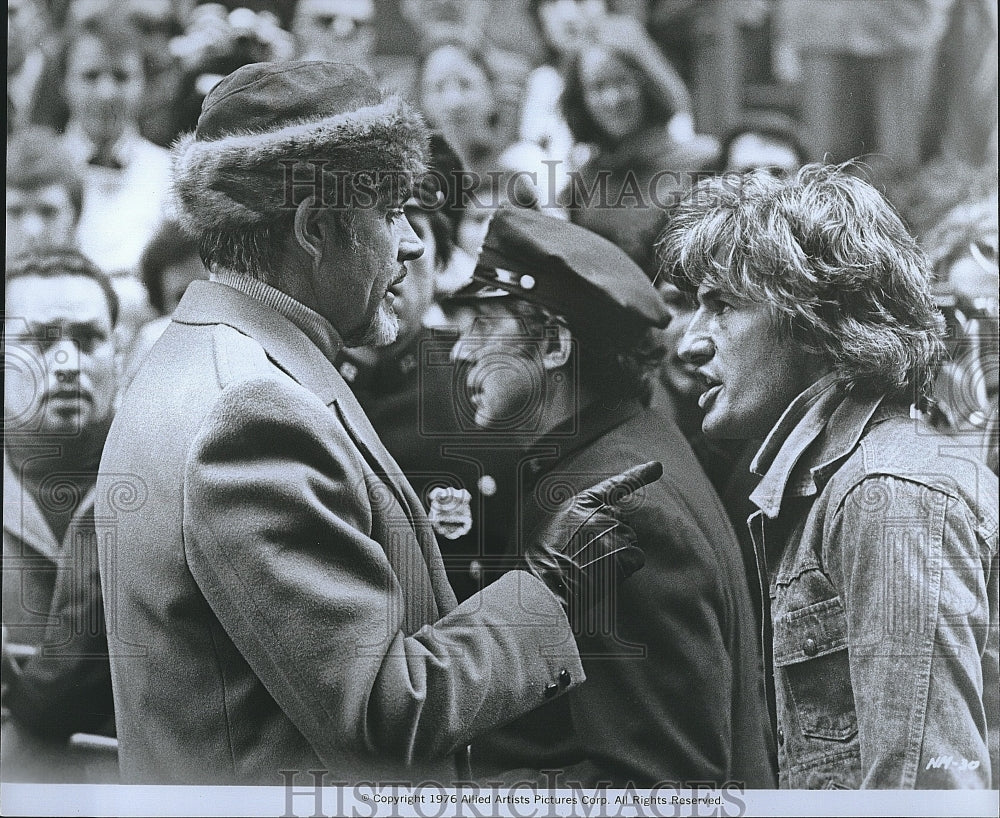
x: 809, y: 647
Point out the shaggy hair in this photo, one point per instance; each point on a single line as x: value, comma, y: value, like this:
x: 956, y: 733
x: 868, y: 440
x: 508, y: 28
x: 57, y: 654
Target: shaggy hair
x: 832, y: 258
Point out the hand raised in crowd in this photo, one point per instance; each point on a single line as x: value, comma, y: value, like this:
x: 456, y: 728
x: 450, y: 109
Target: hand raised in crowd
x: 585, y: 550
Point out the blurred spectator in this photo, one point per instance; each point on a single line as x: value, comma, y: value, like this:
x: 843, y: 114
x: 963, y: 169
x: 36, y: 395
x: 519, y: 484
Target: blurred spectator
x: 27, y: 62
x: 865, y: 68
x: 437, y: 22
x: 215, y: 43
x: 963, y: 251
x: 457, y: 93
x: 764, y: 139
x: 674, y: 25
x: 925, y: 198
x: 134, y: 309
x: 447, y: 21
x: 44, y: 192
x: 169, y: 264
x: 127, y: 176
x: 59, y: 393
x: 626, y: 101
x: 157, y: 22
x: 565, y: 26
x: 338, y: 30
x: 964, y: 114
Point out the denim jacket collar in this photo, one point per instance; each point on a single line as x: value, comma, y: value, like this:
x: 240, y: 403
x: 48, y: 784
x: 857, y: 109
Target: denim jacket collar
x: 819, y: 428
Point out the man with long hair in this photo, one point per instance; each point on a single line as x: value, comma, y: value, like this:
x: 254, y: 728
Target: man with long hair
x: 816, y: 332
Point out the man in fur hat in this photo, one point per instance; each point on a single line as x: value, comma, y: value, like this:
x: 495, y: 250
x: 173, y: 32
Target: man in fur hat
x: 278, y: 600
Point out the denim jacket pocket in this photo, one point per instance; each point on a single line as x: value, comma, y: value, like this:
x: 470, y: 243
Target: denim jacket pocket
x: 811, y: 652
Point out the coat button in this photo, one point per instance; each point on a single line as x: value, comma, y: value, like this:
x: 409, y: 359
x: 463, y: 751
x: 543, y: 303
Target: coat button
x: 564, y: 678
x: 551, y: 690
x: 809, y: 647
x: 781, y: 736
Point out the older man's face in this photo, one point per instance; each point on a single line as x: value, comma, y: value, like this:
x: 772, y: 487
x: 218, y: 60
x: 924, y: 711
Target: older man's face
x: 355, y: 290
x: 750, y: 373
x: 59, y: 356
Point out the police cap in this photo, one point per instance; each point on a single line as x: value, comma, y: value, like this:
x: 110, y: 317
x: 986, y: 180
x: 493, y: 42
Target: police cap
x: 566, y: 269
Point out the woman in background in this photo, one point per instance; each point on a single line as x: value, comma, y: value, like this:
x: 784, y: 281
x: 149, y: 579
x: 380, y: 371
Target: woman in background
x: 630, y: 106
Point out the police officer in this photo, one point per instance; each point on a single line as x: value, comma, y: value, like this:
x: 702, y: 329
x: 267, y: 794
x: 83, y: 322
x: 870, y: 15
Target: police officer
x: 558, y: 340
x: 462, y: 475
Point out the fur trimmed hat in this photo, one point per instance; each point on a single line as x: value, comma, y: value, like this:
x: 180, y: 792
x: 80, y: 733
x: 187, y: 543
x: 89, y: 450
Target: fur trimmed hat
x: 267, y: 130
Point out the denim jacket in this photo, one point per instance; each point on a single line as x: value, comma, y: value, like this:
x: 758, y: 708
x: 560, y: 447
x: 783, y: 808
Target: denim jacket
x: 880, y: 543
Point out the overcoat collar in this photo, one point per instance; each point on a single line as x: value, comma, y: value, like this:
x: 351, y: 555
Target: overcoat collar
x: 288, y: 345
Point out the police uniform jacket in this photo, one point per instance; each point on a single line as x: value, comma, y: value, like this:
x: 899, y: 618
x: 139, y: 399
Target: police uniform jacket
x: 675, y: 690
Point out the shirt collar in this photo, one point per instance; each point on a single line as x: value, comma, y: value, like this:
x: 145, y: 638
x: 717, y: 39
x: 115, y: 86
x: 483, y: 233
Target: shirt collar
x: 315, y: 326
x: 84, y: 149
x: 818, y: 429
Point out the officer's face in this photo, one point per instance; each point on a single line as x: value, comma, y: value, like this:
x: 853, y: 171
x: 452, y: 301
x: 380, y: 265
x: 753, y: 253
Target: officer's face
x: 340, y: 30
x: 353, y: 290
x: 504, y: 373
x: 750, y: 373
x: 59, y: 355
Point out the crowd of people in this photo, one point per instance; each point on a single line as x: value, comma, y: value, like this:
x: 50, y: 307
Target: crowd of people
x: 423, y: 389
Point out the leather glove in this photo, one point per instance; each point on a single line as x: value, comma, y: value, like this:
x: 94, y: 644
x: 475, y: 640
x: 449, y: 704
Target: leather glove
x: 584, y: 550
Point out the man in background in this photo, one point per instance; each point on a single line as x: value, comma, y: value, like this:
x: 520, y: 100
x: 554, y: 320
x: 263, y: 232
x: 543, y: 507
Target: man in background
x: 60, y: 386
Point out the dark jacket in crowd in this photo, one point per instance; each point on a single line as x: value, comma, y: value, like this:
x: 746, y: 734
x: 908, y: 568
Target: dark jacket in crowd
x: 52, y: 608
